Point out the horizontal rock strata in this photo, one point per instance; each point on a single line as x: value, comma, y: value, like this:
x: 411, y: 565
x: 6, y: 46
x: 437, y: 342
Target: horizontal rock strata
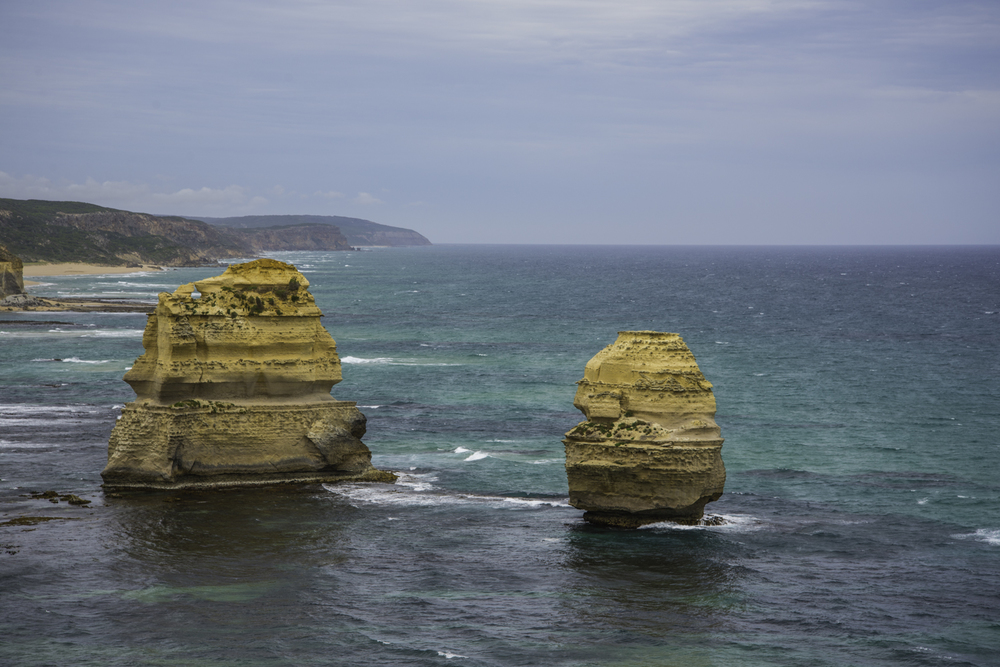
x: 234, y: 389
x: 650, y: 449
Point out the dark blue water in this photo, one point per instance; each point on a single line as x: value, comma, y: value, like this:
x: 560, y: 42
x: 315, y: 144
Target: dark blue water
x: 858, y: 392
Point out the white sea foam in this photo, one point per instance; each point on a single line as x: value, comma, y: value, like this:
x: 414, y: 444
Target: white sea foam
x: 989, y: 535
x: 461, y: 450
x: 416, y: 482
x: 475, y: 456
x: 449, y: 656
x: 391, y: 361
x: 358, y: 360
x: 498, y: 440
x: 77, y: 360
x: 20, y: 422
x: 125, y: 283
x: 738, y: 523
x: 370, y: 407
x: 417, y: 494
x: 7, y: 444
x: 114, y: 333
x: 10, y: 409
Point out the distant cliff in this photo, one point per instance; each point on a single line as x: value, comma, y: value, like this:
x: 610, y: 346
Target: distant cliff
x: 59, y: 231
x: 359, y: 232
x: 292, y: 237
x: 47, y: 231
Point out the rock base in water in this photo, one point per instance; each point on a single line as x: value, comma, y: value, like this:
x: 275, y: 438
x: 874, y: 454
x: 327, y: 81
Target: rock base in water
x: 650, y: 449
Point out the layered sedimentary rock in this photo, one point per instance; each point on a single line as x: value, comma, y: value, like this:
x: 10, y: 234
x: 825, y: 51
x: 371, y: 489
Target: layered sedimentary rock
x: 234, y: 389
x: 650, y: 449
x: 11, y: 273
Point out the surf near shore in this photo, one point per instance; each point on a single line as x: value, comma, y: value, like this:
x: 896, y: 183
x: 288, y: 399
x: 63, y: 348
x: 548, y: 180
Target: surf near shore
x: 28, y: 302
x: 80, y: 268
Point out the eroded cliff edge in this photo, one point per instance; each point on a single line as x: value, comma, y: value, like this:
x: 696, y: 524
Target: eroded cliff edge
x: 234, y: 389
x: 650, y: 449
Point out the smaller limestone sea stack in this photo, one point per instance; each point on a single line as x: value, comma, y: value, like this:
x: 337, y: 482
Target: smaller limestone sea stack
x: 650, y: 449
x: 11, y: 273
x: 234, y: 389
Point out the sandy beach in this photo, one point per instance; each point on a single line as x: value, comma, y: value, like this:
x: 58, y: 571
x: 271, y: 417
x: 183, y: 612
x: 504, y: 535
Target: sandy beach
x: 79, y: 268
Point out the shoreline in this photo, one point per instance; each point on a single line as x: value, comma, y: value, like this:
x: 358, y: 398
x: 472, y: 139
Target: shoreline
x: 81, y: 269
x: 81, y: 305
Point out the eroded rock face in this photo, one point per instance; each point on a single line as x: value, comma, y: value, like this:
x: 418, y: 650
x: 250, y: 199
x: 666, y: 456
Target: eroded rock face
x: 234, y: 389
x: 11, y: 273
x: 650, y: 449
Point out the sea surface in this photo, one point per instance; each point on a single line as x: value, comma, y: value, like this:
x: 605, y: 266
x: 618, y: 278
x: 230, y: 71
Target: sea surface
x: 858, y: 390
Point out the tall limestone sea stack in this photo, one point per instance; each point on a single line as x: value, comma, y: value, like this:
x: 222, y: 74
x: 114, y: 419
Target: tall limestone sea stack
x: 650, y: 449
x: 234, y: 389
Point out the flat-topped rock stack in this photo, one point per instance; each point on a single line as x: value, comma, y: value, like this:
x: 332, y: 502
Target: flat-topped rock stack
x: 234, y: 389
x: 650, y: 449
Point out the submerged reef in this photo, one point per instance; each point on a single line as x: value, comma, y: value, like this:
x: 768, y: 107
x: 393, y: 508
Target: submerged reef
x: 650, y: 449
x: 234, y: 389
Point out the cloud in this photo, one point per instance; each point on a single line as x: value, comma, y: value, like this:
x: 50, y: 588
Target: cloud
x: 135, y: 196
x: 366, y: 199
x: 331, y: 194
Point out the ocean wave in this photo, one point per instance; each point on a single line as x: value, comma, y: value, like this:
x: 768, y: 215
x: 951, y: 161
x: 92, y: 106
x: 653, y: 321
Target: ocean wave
x: 392, y: 362
x: 114, y: 333
x: 49, y: 423
x: 7, y: 444
x: 358, y: 360
x: 35, y: 409
x: 416, y: 481
x: 76, y: 360
x: 476, y: 456
x: 413, y: 496
x: 125, y: 283
x: 738, y: 523
x: 989, y: 535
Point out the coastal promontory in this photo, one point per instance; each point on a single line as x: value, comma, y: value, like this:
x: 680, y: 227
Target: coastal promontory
x: 234, y: 389
x: 650, y: 449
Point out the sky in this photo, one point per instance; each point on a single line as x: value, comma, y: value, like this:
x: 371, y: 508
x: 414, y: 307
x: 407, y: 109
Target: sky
x: 514, y: 121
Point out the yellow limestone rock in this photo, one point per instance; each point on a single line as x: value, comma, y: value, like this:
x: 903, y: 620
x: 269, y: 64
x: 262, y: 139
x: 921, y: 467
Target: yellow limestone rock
x: 234, y: 389
x: 650, y: 449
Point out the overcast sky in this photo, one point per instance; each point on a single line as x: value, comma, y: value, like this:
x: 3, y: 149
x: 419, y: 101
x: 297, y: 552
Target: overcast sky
x: 507, y: 121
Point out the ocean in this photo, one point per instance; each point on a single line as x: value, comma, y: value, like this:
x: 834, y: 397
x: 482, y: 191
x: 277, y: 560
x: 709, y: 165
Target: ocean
x: 858, y: 390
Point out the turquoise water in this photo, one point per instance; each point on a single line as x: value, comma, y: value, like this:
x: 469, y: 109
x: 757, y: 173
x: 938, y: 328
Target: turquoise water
x: 858, y: 392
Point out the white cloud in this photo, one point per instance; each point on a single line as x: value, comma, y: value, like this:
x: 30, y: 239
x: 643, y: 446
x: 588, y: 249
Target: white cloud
x: 331, y: 194
x: 366, y: 199
x: 135, y: 196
